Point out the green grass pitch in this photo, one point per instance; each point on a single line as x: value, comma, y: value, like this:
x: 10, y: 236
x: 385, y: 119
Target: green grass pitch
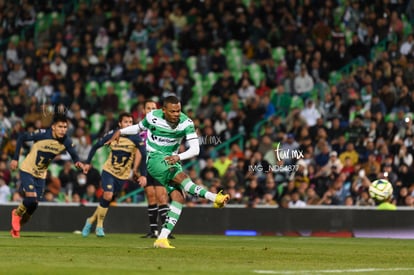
x: 67, y: 253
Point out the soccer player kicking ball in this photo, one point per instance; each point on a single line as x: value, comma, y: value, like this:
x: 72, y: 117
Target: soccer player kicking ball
x: 48, y: 143
x: 166, y: 128
x: 157, y: 197
x: 126, y: 154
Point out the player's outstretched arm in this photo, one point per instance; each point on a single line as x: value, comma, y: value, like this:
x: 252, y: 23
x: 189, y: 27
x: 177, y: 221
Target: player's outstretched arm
x: 115, y: 137
x: 130, y: 130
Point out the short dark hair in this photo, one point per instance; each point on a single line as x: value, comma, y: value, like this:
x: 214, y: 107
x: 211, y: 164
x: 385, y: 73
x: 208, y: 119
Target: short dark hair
x: 149, y: 101
x: 58, y: 117
x: 170, y: 99
x: 122, y: 115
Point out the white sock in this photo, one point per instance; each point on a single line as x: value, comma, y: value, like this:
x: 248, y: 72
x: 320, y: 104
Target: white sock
x: 211, y: 196
x: 165, y: 232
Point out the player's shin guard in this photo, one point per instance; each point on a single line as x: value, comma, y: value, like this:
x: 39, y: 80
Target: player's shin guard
x: 198, y: 190
x: 31, y: 205
x: 162, y: 212
x: 152, y: 216
x: 101, y: 212
x: 172, y: 219
x: 25, y: 218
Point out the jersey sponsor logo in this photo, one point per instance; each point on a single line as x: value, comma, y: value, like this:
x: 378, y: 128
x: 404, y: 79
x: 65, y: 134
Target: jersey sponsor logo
x: 120, y: 146
x: 162, y: 139
x: 54, y: 149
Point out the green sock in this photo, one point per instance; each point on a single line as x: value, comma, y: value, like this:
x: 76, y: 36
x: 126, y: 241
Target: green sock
x: 198, y: 190
x: 193, y: 188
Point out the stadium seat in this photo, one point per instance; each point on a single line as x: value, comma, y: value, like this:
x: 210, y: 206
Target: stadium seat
x: 209, y: 81
x: 192, y: 65
x: 100, y: 157
x: 104, y: 86
x: 297, y: 102
x: 256, y: 73
x: 232, y: 52
x: 278, y: 54
x: 144, y: 58
x: 42, y: 23
x: 124, y: 103
x: 122, y: 88
x: 233, y: 44
x: 55, y: 169
x: 122, y: 85
x: 198, y: 78
x: 92, y: 85
x: 281, y: 102
x: 198, y: 92
x: 334, y: 77
x: 407, y: 27
x: 96, y: 122
x: 235, y: 63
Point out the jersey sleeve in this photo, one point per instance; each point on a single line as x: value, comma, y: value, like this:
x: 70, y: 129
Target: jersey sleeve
x: 26, y: 136
x: 190, y: 132
x: 143, y: 124
x: 99, y: 144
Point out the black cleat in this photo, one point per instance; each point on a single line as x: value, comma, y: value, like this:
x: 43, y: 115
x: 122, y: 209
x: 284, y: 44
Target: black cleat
x: 171, y: 237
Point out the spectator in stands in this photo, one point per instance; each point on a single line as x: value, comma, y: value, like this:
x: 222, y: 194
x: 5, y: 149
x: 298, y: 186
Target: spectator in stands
x: 110, y: 100
x: 303, y: 83
x: 16, y: 76
x: 150, y: 28
x: 5, y: 192
x: 59, y: 66
x: 222, y: 164
x: 68, y: 179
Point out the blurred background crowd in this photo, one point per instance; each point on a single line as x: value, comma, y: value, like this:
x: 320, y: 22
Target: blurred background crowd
x: 332, y: 81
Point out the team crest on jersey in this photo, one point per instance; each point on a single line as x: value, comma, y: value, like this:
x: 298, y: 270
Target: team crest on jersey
x: 31, y: 187
x: 109, y: 186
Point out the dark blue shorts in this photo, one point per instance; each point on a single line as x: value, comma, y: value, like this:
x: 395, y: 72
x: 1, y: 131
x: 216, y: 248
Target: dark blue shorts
x: 110, y: 183
x: 29, y: 183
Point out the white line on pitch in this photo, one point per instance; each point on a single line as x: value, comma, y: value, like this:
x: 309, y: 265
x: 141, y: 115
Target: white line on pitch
x: 359, y: 270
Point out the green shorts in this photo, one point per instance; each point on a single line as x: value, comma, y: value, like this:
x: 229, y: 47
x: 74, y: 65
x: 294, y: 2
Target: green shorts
x: 158, y: 168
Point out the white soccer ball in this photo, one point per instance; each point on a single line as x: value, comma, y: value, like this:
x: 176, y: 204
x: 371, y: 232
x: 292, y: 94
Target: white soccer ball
x: 380, y: 190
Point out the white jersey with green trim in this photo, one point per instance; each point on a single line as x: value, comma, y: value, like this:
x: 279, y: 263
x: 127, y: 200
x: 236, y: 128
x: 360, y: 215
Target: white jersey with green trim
x: 163, y: 136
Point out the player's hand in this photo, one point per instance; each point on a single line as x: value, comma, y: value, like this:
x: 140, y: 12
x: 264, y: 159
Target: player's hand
x: 14, y: 164
x: 86, y: 168
x: 172, y: 159
x: 115, y: 137
x: 80, y: 165
x: 142, y: 181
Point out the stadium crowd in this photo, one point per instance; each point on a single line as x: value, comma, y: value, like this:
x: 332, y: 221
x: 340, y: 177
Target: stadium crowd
x: 270, y: 64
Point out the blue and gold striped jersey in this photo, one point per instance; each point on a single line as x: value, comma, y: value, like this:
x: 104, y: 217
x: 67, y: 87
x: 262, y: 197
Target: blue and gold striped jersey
x: 44, y: 149
x: 122, y: 155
